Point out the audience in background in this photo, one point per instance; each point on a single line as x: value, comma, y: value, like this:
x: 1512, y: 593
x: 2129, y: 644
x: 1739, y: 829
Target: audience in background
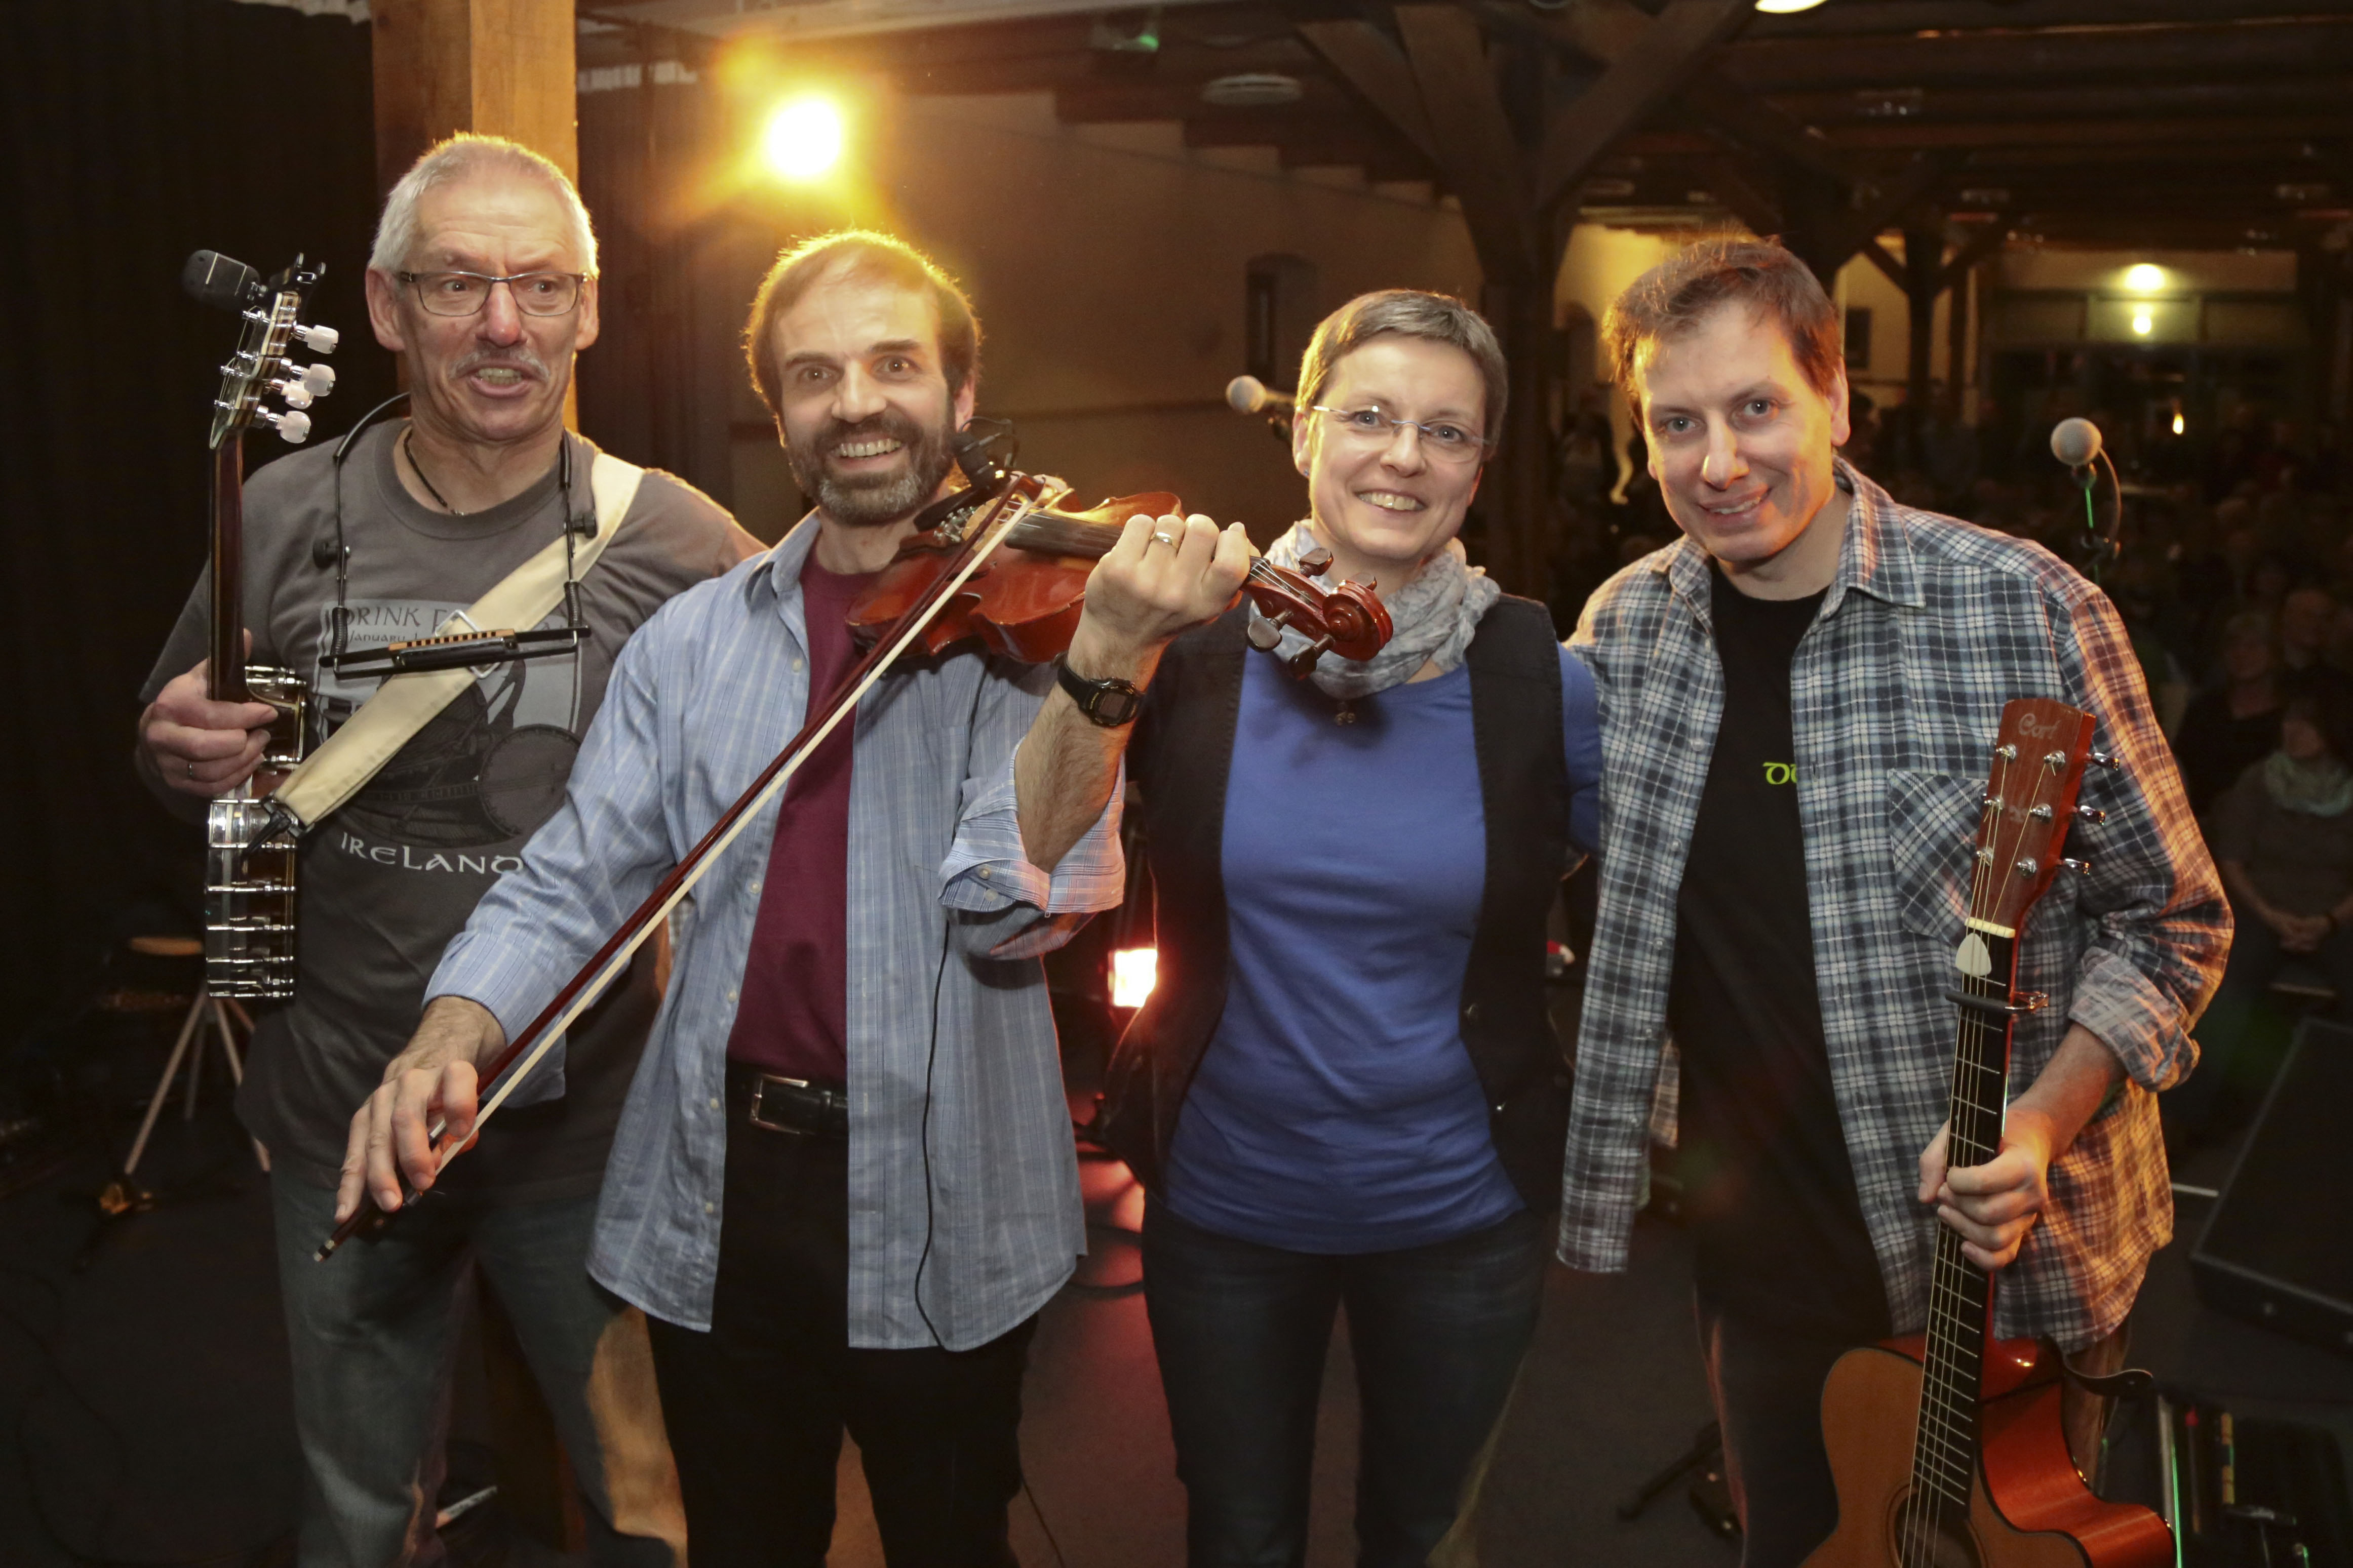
x: 2235, y: 722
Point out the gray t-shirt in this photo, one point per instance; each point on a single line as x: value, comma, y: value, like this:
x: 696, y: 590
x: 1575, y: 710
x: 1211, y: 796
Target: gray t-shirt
x: 389, y: 879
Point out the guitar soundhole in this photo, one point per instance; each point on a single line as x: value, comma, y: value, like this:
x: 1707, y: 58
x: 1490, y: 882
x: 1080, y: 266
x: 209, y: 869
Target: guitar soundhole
x: 1938, y: 1541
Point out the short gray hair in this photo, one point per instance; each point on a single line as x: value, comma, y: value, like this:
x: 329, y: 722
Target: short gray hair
x: 469, y: 153
x: 1407, y: 313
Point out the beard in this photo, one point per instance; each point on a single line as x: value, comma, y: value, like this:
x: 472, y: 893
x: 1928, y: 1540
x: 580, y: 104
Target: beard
x: 871, y: 500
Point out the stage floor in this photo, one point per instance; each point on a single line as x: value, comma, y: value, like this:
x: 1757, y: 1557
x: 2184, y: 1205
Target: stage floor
x: 161, y: 1433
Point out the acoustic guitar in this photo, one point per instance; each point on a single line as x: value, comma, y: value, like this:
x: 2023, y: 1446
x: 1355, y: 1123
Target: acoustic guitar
x: 1946, y: 1448
x: 249, y: 885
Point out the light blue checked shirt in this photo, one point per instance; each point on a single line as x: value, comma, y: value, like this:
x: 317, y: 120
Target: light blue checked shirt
x: 705, y: 693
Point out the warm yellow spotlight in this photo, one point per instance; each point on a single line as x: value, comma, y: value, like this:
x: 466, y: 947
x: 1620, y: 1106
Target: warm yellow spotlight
x: 1782, y: 7
x: 2144, y: 278
x: 804, y: 138
x: 1133, y: 970
x: 2177, y: 427
x: 2142, y: 323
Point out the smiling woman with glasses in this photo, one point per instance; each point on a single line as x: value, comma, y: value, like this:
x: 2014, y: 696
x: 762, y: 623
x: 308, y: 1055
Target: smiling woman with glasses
x: 1344, y: 1088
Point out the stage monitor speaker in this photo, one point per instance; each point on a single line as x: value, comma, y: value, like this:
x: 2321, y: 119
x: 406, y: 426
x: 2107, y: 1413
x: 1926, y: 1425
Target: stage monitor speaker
x: 2278, y: 1248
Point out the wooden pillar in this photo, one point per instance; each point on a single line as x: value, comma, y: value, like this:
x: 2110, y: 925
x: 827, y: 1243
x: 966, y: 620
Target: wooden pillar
x: 503, y: 67
x: 1956, y: 341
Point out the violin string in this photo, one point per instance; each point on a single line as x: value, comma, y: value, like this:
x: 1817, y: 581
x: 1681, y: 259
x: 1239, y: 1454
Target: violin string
x: 587, y: 995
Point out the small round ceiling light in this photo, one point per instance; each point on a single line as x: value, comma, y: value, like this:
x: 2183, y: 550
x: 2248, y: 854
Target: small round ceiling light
x: 1783, y: 7
x: 1251, y: 89
x: 2144, y: 278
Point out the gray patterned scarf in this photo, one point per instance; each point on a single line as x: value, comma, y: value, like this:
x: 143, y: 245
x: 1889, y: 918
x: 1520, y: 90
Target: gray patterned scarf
x: 1434, y: 615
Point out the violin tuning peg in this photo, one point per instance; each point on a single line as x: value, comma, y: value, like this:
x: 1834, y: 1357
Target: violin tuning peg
x: 1264, y: 634
x: 1315, y: 562
x: 1303, y: 663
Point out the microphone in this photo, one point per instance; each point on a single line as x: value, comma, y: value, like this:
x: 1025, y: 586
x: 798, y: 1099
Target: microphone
x: 211, y: 279
x: 1248, y: 395
x: 2076, y: 443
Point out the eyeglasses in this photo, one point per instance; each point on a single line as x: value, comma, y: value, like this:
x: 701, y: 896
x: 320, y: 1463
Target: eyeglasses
x: 1448, y: 443
x: 465, y: 293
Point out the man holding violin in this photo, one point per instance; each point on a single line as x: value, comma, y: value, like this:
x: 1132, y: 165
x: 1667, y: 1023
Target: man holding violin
x: 844, y: 1183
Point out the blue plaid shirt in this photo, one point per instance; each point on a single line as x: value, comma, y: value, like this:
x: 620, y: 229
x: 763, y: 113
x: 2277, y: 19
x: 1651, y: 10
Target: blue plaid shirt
x: 1897, y: 690
x: 705, y: 693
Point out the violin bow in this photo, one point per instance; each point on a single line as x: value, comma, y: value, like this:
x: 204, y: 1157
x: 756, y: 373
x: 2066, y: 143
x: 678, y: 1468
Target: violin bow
x: 1025, y: 494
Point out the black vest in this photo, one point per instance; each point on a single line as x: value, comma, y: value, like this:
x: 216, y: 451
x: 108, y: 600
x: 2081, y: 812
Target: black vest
x: 1180, y: 760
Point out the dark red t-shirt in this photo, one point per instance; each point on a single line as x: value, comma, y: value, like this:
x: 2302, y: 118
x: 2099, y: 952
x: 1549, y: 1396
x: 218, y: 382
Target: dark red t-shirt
x: 793, y: 1018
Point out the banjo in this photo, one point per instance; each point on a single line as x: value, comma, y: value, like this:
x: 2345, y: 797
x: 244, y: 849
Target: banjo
x: 249, y: 885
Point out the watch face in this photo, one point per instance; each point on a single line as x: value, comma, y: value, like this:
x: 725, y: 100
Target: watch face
x: 1115, y: 704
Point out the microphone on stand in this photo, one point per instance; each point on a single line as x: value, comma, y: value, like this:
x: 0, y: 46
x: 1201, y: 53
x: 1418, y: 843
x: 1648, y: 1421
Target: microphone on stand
x: 2076, y: 443
x: 1248, y: 395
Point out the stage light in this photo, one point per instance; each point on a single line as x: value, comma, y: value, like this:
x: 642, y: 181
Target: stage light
x: 2177, y: 427
x: 1132, y: 972
x: 804, y: 138
x: 2142, y: 277
x: 1783, y: 7
x: 2142, y: 323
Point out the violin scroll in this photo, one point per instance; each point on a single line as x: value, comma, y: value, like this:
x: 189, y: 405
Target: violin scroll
x: 1349, y: 620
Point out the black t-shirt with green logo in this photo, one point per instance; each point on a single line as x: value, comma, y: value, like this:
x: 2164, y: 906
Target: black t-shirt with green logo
x: 1769, y: 1189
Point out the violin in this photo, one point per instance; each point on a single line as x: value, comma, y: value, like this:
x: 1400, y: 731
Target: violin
x: 1024, y: 603
x: 945, y: 586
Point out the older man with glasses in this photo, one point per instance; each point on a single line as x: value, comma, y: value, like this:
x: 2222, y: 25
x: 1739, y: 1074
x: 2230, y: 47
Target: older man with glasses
x: 484, y: 276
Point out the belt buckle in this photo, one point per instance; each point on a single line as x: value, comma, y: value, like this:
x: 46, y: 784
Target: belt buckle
x: 759, y: 1098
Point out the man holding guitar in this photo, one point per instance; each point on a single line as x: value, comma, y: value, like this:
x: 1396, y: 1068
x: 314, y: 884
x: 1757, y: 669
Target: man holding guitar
x: 484, y: 276
x: 1797, y: 702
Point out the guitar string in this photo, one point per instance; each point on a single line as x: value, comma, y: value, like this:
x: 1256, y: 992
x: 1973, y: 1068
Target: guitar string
x: 1944, y: 1440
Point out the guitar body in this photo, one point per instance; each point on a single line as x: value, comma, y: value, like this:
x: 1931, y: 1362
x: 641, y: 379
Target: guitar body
x: 2029, y: 1508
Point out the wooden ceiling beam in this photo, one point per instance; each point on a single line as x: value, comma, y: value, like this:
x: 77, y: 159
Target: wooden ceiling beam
x: 1365, y: 59
x: 2134, y: 55
x: 1908, y: 17
x: 1671, y: 50
x: 1476, y: 150
x: 2323, y: 94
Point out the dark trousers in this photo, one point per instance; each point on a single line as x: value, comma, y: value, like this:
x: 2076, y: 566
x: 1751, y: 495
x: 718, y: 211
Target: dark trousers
x: 1768, y: 1387
x: 1241, y: 1332
x: 756, y: 1406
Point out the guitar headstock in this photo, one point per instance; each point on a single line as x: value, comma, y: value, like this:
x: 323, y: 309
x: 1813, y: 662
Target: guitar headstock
x: 259, y: 368
x: 2038, y: 758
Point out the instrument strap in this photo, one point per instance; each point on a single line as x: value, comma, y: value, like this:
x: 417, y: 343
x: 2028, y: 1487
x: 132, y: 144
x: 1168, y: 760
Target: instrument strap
x: 404, y: 704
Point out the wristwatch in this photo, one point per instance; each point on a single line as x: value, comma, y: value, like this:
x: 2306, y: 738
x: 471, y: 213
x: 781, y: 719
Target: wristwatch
x: 1109, y: 703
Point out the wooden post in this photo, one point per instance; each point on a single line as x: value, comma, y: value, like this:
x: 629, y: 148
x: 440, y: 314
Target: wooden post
x: 1924, y: 268
x: 502, y: 68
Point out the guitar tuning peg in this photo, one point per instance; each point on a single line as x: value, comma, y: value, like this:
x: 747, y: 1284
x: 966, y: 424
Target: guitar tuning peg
x: 293, y: 427
x: 293, y: 394
x: 2091, y: 814
x: 2069, y: 864
x: 2103, y: 760
x: 318, y: 380
x: 319, y: 340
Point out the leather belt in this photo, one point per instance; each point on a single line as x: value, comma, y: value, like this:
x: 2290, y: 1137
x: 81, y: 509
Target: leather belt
x: 797, y: 1106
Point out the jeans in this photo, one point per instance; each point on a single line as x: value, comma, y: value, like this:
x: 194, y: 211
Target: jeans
x: 756, y: 1406
x: 372, y: 1330
x: 1241, y: 1330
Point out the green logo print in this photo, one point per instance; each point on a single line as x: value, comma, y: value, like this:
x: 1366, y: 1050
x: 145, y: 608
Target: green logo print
x: 1780, y: 772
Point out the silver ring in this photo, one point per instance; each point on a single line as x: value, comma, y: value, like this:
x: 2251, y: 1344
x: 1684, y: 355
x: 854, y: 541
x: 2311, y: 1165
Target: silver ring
x: 192, y: 770
x: 1162, y: 537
